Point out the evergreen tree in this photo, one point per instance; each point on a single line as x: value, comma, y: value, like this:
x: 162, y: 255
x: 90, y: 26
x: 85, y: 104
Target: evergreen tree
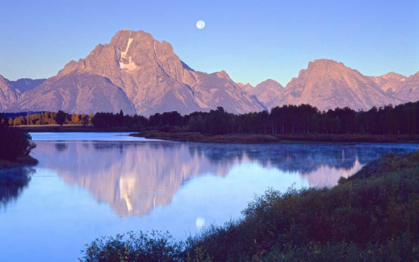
x: 121, y: 118
x: 60, y: 117
x: 84, y: 120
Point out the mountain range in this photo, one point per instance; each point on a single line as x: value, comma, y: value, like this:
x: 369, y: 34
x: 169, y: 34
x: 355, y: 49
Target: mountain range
x: 139, y: 74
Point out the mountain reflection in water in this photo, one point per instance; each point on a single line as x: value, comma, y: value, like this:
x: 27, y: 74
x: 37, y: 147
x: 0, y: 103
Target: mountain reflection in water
x: 134, y: 177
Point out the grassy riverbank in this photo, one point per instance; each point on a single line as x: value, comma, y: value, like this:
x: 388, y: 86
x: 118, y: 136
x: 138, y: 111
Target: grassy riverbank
x: 187, y: 136
x: 198, y: 137
x: 267, y: 138
x: 372, y: 216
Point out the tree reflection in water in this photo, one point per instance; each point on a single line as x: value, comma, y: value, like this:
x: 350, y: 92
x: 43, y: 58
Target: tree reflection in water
x: 12, y: 183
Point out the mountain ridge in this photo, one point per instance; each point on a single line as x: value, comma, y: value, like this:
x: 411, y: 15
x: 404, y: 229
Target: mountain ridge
x: 138, y: 74
x: 144, y: 70
x: 268, y: 92
x: 328, y: 84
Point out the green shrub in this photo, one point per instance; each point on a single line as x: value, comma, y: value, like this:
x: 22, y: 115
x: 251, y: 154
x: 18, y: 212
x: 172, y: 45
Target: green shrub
x: 132, y: 247
x: 398, y: 249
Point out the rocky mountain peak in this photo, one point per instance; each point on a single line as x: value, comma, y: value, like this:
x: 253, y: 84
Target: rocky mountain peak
x: 270, y: 82
x: 240, y: 84
x: 120, y: 39
x: 247, y: 87
x: 8, y: 93
x: 326, y: 66
x: 268, y: 92
x: 390, y: 82
x: 223, y: 74
x: 138, y: 74
x: 328, y: 84
x: 394, y: 75
x: 26, y: 84
x: 3, y: 80
x: 323, y: 63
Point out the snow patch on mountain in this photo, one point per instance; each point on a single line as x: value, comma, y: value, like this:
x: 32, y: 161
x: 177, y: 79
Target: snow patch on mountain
x: 124, y: 54
x: 130, y: 66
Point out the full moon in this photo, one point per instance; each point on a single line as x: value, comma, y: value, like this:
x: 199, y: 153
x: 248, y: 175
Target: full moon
x: 200, y: 24
x: 200, y: 222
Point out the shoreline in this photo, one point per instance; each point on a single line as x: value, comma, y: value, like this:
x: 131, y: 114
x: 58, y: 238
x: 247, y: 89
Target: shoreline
x: 26, y: 161
x: 72, y: 129
x: 187, y: 136
x: 267, y: 138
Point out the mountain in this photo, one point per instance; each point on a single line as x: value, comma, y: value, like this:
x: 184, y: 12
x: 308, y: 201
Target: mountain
x: 8, y: 93
x: 76, y: 92
x: 328, y: 84
x: 240, y: 84
x: 246, y: 87
x: 391, y: 82
x: 404, y: 88
x: 269, y: 93
x: 26, y: 84
x: 137, y: 74
x: 409, y: 92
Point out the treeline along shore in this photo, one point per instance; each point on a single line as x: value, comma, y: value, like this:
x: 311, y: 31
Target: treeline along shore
x: 299, y: 123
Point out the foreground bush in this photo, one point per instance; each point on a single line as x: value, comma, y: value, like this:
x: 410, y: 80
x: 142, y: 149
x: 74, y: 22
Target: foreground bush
x: 14, y: 143
x: 373, y: 216
x: 399, y: 249
x: 153, y: 247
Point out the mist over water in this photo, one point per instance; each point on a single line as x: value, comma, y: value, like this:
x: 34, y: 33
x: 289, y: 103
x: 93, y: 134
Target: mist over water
x: 94, y: 184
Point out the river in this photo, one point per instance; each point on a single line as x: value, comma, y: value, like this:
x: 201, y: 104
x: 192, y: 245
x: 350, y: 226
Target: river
x: 88, y: 185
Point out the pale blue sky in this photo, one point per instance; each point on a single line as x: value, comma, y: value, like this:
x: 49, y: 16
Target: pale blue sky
x: 251, y: 40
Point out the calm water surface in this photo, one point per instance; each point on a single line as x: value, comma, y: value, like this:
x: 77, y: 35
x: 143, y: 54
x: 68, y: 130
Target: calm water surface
x: 88, y: 185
